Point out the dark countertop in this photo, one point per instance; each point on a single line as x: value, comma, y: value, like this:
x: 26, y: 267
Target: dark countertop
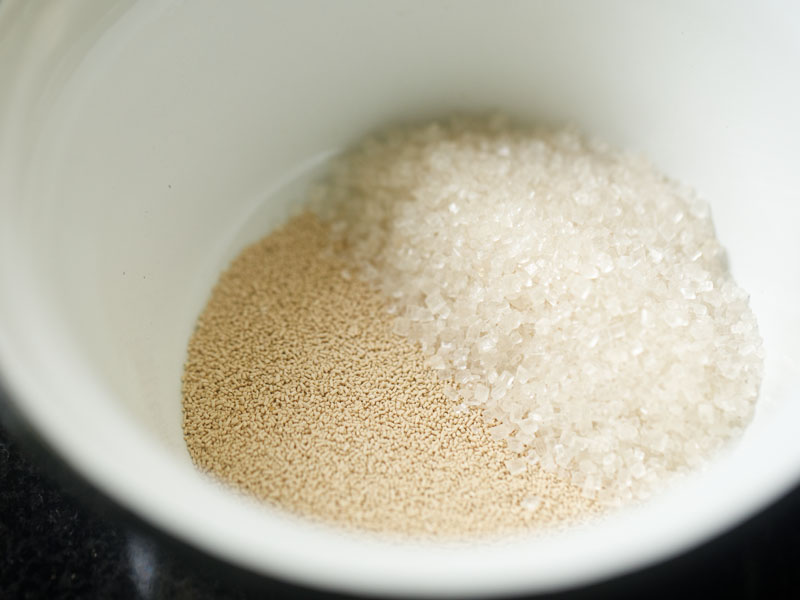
x: 56, y: 543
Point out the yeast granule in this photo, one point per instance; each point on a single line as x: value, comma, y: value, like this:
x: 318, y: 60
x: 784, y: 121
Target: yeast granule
x: 297, y: 391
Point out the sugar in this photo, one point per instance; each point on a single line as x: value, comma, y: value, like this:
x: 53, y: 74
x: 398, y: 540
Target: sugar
x: 531, y: 503
x: 516, y: 466
x: 585, y: 266
x: 501, y: 432
x: 481, y: 393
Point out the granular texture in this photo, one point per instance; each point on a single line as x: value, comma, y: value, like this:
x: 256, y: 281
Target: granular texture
x: 575, y: 294
x: 297, y: 390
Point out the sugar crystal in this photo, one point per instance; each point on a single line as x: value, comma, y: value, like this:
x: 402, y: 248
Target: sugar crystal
x: 577, y: 288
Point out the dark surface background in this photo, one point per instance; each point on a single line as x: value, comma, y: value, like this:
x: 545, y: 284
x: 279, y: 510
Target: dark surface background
x: 58, y: 539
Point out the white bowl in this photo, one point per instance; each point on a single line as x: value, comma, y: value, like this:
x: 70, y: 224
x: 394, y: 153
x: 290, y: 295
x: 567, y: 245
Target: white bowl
x: 142, y: 144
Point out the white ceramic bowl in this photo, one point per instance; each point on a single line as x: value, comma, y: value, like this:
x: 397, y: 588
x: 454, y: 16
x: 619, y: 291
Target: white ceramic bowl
x: 142, y: 144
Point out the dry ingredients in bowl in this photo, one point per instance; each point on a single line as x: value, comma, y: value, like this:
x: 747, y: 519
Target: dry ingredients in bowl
x: 572, y: 295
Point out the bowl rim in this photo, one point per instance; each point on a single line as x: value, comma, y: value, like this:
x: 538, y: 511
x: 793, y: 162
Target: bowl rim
x: 32, y: 398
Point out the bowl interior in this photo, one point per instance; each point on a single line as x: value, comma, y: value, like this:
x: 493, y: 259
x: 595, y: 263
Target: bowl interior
x: 142, y: 146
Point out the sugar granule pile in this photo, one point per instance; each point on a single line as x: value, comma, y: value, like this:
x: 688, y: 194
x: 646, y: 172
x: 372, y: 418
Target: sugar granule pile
x: 574, y: 293
x: 296, y: 390
x: 480, y: 328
